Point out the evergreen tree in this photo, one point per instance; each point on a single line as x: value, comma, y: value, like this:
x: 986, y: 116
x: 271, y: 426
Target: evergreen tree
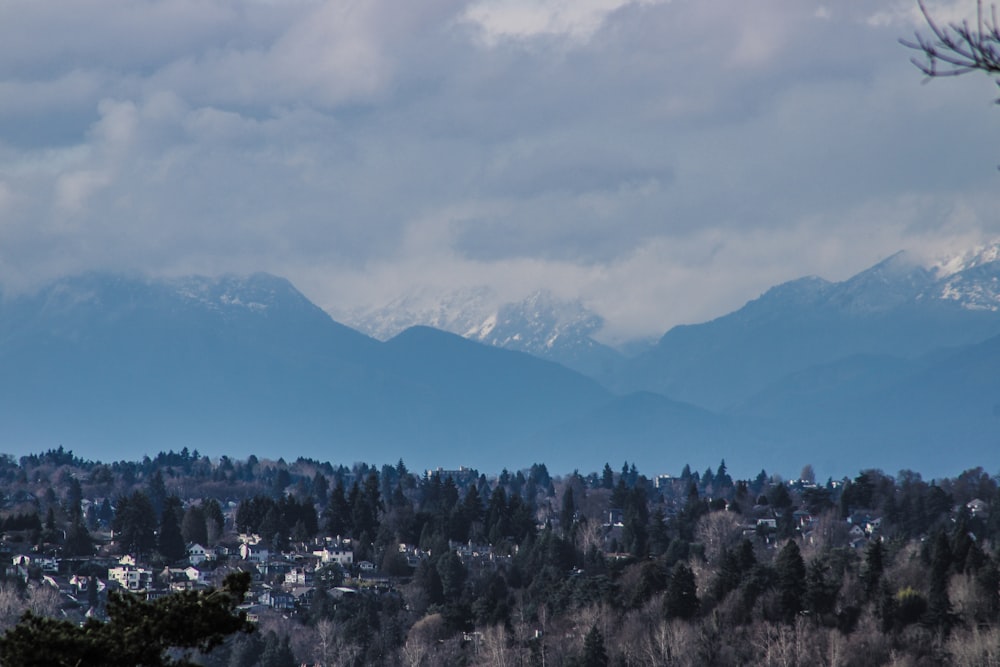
x: 681, y: 600
x: 607, y: 478
x: 170, y: 542
x: 135, y: 523
x: 568, y: 513
x: 160, y: 633
x: 194, y: 527
x: 78, y: 540
x: 871, y: 570
x: 320, y: 488
x: 594, y: 653
x: 821, y: 590
x: 938, y: 603
x: 337, y: 514
x: 157, y: 493
x: 791, y: 574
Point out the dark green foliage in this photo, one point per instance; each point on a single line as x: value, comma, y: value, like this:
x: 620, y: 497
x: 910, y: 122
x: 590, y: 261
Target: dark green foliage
x: 78, y: 541
x: 938, y: 604
x: 821, y: 589
x: 791, y: 579
x: 135, y: 523
x: 568, y: 513
x: 153, y: 634
x: 681, y: 600
x: 594, y: 653
x: 194, y: 528
x: 170, y: 542
x: 337, y: 515
x: 157, y: 492
x: 871, y: 570
x: 274, y: 520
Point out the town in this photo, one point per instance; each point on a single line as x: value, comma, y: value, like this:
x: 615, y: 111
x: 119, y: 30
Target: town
x: 386, y: 566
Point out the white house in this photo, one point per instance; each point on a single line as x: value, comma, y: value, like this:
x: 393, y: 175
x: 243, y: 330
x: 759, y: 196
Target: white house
x: 198, y: 554
x: 342, y: 556
x: 255, y: 553
x: 130, y: 577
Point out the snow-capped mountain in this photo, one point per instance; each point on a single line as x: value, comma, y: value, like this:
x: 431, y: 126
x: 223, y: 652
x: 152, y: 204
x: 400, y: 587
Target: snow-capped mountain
x: 541, y: 324
x: 971, y: 280
x: 459, y: 311
x: 900, y: 307
x: 550, y: 328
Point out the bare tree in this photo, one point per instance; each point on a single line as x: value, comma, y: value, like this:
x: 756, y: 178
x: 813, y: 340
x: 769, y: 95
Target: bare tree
x: 958, y: 48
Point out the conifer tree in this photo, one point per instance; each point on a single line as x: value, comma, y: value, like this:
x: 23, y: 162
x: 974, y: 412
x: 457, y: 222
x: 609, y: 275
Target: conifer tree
x: 791, y: 573
x: 681, y: 600
x: 594, y: 653
x: 161, y: 633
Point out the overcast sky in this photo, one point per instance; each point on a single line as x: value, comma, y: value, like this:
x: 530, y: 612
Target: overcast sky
x: 663, y: 161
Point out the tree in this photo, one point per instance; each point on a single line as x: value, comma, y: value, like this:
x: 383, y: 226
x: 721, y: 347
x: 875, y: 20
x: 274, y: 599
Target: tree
x: 681, y: 600
x: 194, y: 527
x: 162, y: 633
x: 135, y: 523
x: 958, y: 48
x: 78, y: 541
x: 871, y: 570
x: 568, y: 513
x: 170, y: 542
x: 594, y: 653
x: 939, y: 613
x: 791, y: 573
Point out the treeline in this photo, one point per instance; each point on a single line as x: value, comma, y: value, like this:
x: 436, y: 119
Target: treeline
x: 698, y: 568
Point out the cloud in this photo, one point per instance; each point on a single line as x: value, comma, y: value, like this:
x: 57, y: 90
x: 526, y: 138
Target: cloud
x: 663, y: 161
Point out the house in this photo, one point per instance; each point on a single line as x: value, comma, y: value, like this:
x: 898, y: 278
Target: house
x: 46, y: 564
x: 977, y: 507
x: 276, y: 599
x: 131, y: 577
x: 299, y: 576
x: 342, y: 556
x: 199, y: 576
x: 198, y: 554
x: 255, y: 553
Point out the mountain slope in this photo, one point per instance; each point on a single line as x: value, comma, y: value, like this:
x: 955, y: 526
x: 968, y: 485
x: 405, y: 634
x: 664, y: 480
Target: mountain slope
x: 541, y: 325
x: 897, y: 307
x: 114, y: 365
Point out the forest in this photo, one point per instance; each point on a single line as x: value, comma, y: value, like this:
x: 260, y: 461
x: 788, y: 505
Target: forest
x: 455, y: 567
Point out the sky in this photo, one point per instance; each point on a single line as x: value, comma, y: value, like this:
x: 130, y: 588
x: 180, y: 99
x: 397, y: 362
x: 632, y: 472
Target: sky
x: 662, y: 161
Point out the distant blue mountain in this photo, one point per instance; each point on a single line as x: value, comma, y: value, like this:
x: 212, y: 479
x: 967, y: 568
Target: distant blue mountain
x: 898, y: 367
x: 119, y: 366
x: 895, y: 308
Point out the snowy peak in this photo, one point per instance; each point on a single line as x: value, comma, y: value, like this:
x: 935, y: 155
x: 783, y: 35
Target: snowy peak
x: 971, y: 280
x: 256, y: 293
x: 897, y: 280
x: 983, y: 254
x: 540, y: 324
x: 460, y: 311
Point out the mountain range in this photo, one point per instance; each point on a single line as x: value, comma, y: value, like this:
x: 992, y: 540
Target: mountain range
x: 894, y: 368
x: 540, y: 324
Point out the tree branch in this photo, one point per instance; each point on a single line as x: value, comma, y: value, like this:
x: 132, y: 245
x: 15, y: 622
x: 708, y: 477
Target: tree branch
x: 958, y: 48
